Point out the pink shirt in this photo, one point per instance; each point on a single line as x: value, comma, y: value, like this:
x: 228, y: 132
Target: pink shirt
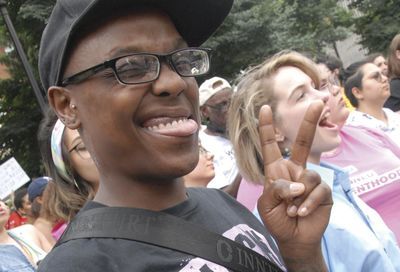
x: 373, y: 162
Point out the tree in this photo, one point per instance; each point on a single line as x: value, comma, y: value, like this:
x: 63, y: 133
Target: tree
x: 256, y: 29
x: 19, y: 111
x: 377, y: 22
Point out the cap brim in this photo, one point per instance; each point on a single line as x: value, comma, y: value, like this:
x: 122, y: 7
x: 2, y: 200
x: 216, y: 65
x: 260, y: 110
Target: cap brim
x: 195, y: 20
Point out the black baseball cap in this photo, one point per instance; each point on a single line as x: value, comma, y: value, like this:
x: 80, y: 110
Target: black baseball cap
x: 195, y: 20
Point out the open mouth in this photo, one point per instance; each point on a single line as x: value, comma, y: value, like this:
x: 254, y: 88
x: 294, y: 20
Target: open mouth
x: 172, y: 126
x: 325, y: 123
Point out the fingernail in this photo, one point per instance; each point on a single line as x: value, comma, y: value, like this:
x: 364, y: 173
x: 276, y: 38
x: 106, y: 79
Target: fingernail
x: 292, y: 210
x: 296, y: 187
x: 303, y: 211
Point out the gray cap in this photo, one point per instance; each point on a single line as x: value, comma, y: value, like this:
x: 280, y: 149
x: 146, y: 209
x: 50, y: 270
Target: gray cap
x: 196, y: 21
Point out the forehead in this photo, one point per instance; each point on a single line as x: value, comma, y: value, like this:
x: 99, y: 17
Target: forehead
x: 221, y: 95
x: 288, y: 78
x: 369, y: 68
x: 70, y: 135
x: 324, y: 71
x: 379, y: 60
x: 126, y: 31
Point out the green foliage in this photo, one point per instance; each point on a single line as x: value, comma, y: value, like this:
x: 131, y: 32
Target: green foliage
x: 378, y: 22
x: 256, y: 29
x: 19, y: 111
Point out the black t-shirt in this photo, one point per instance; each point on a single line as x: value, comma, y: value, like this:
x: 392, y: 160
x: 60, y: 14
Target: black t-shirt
x: 393, y: 101
x: 210, y: 208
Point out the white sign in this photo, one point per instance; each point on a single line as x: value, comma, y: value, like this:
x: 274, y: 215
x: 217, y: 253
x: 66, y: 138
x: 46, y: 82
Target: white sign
x: 12, y: 176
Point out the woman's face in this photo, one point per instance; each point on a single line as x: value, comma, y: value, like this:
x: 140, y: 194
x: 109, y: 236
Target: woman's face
x: 375, y: 85
x: 4, y: 214
x: 295, y: 91
x: 336, y: 104
x: 380, y: 61
x: 204, y: 171
x: 80, y: 158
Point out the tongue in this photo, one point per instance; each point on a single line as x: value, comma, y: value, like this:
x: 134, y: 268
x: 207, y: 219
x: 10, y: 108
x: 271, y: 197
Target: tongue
x: 186, y: 128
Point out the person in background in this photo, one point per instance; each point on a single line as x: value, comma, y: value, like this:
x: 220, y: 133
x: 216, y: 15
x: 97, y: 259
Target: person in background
x: 140, y: 125
x: 368, y: 89
x: 376, y: 180
x: 335, y: 66
x: 215, y: 95
x: 289, y: 82
x: 43, y: 223
x: 22, y: 211
x: 21, y: 248
x: 323, y: 63
x: 75, y: 178
x: 204, y: 171
x: 379, y: 60
x: 393, y: 101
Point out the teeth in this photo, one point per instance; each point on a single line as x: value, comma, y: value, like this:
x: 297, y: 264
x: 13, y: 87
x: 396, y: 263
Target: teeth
x: 170, y: 125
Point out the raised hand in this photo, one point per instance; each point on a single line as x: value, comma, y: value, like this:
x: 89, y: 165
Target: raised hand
x: 295, y: 206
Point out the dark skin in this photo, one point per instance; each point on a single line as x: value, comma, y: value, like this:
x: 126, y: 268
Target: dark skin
x: 295, y: 205
x: 139, y: 168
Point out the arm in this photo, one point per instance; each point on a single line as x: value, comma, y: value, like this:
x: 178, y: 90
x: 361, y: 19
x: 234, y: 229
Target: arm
x: 295, y: 206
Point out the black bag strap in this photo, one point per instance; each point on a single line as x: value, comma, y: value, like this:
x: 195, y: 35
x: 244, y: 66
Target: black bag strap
x: 168, y: 231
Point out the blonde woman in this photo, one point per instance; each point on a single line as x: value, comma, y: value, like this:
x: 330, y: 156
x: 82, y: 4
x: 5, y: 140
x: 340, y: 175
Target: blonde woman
x: 289, y: 84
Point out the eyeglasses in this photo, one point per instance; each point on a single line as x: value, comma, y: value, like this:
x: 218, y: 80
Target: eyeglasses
x: 223, y: 106
x: 140, y: 68
x: 81, y: 150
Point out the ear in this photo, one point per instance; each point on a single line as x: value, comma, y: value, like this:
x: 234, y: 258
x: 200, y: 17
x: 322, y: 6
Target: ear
x: 40, y: 200
x: 357, y: 93
x: 204, y: 113
x: 63, y: 104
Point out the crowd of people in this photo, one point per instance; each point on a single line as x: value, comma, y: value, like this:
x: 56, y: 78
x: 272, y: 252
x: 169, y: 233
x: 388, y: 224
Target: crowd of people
x: 301, y: 157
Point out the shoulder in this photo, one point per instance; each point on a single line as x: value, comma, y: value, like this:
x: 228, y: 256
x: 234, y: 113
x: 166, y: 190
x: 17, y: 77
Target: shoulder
x: 69, y: 257
x: 26, y: 229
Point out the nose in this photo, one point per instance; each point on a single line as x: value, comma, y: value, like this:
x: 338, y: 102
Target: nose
x: 210, y: 156
x: 335, y: 90
x: 324, y: 96
x: 168, y: 83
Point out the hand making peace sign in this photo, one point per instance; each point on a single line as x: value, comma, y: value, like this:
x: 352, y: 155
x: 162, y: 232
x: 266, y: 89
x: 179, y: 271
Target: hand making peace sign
x: 295, y: 205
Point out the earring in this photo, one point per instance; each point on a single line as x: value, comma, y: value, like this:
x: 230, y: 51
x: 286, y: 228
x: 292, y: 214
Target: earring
x: 73, y: 106
x: 286, y: 152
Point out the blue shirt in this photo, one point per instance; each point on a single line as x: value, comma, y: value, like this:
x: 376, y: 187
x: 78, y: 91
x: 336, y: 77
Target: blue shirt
x: 356, y: 238
x: 13, y: 260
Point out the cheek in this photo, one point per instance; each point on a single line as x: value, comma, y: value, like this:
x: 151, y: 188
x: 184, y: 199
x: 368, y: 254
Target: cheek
x: 289, y: 120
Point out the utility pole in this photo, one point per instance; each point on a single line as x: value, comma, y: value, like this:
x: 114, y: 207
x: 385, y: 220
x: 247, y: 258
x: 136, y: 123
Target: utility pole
x: 22, y: 56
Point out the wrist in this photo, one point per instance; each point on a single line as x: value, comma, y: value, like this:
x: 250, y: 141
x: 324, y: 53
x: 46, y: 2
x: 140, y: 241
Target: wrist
x: 303, y: 257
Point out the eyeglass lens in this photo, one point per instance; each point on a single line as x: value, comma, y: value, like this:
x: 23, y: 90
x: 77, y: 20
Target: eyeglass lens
x: 146, y: 67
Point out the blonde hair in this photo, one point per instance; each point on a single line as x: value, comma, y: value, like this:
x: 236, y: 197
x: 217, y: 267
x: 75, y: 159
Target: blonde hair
x: 255, y: 89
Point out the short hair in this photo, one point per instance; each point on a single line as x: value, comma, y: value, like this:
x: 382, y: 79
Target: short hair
x: 393, y: 61
x: 19, y: 197
x: 353, y: 76
x: 255, y: 89
x: 333, y: 63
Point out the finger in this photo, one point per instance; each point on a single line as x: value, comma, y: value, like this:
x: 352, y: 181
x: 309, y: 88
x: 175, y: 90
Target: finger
x: 319, y: 196
x: 278, y: 192
x: 305, y: 136
x: 269, y: 146
x: 310, y: 179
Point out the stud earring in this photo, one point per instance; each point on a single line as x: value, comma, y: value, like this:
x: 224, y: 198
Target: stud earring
x: 286, y: 152
x: 73, y: 106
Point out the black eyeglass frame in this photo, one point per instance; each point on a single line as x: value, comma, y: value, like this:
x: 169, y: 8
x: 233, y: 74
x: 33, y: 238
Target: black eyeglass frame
x: 87, y: 73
